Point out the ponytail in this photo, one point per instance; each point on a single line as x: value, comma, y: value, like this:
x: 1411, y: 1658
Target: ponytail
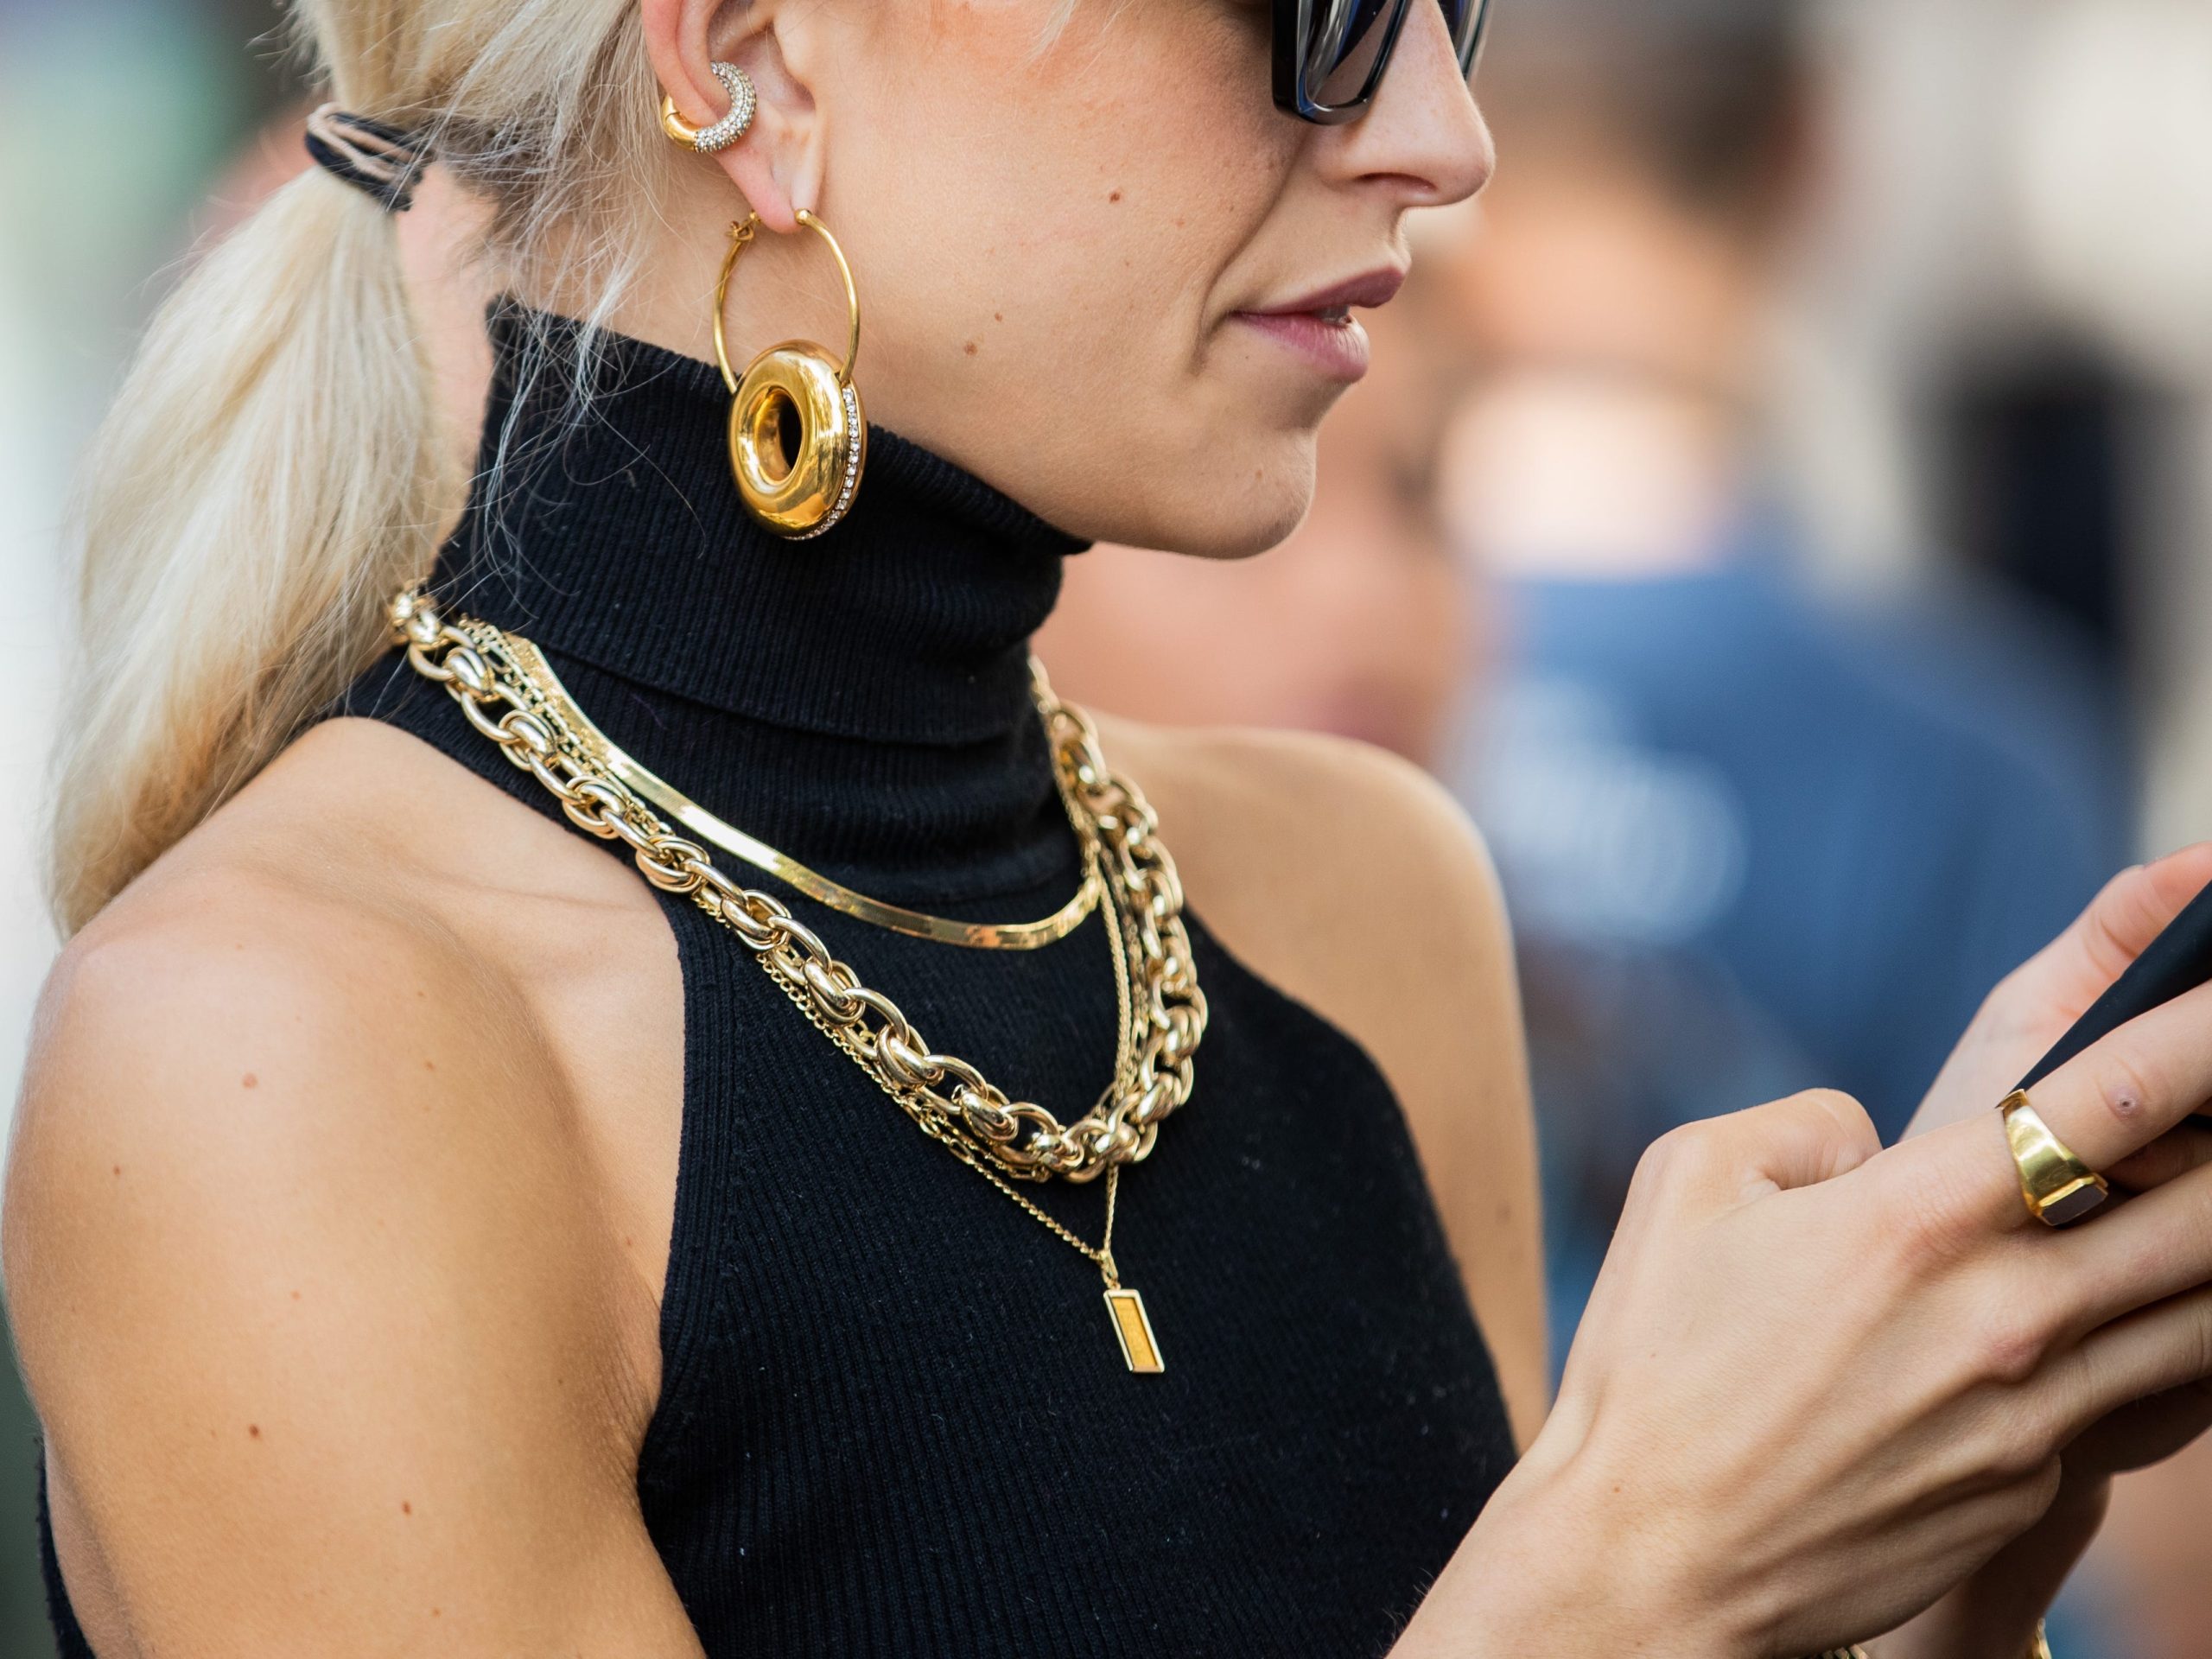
x: 272, y: 471
x: 268, y: 477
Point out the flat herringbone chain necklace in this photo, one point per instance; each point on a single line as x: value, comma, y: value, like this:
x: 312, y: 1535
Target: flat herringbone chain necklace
x: 955, y: 1104
x: 611, y: 757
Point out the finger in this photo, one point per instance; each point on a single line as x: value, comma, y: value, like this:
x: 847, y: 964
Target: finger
x: 2116, y: 1098
x: 2172, y: 1156
x: 2163, y: 1347
x: 1799, y: 1141
x: 2107, y: 1105
x: 2135, y: 906
x: 2154, y: 1247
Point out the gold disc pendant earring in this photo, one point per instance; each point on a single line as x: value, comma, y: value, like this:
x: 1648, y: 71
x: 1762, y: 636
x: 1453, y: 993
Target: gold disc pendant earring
x: 797, y: 437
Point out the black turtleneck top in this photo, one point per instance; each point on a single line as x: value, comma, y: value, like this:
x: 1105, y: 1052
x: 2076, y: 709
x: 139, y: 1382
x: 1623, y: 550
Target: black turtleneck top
x: 892, y: 1416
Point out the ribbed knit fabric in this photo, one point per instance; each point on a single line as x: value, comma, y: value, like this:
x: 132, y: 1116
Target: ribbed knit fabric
x: 893, y: 1419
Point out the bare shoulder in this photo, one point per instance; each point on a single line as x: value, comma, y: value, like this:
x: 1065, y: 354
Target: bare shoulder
x: 1353, y: 882
x: 300, y: 1241
x: 241, y: 1018
x: 1365, y: 823
x: 1348, y: 874
x: 293, y: 991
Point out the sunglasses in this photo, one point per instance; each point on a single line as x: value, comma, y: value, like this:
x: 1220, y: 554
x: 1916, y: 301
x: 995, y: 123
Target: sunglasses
x: 1330, y: 54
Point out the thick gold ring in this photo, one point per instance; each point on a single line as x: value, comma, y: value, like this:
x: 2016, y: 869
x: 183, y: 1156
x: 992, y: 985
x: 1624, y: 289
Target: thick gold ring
x: 2058, y: 1188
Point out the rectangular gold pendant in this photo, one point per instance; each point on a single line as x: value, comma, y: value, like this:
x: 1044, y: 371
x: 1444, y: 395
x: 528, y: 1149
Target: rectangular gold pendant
x: 1135, y: 1330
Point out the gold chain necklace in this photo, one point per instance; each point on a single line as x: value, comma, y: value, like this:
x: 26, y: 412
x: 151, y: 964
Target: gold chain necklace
x: 980, y: 936
x: 1002, y: 1139
x: 1132, y: 1324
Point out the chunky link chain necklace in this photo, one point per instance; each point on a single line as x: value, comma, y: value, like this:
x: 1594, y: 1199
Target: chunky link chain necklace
x: 504, y: 687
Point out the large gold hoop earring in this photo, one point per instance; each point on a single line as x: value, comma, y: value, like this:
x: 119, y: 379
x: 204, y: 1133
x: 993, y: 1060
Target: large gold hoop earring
x: 798, y: 438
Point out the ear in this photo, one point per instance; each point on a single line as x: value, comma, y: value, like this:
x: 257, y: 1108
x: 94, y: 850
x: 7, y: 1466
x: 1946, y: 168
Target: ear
x: 778, y: 165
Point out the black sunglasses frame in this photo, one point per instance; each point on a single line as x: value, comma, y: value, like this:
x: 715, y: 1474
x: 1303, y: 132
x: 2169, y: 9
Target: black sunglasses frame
x: 1293, y: 72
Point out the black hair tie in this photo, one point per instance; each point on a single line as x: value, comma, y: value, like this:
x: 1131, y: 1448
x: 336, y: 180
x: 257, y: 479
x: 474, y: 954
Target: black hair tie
x: 384, y: 162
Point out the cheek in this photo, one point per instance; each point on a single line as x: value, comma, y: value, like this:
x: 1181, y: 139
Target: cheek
x: 1048, y: 245
x: 1068, y: 214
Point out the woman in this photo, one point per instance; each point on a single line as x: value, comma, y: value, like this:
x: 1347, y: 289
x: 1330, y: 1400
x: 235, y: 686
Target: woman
x: 423, y: 1234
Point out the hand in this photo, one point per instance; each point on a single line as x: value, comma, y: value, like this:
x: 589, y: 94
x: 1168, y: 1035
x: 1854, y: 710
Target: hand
x: 2034, y: 1004
x: 1820, y: 1383
x: 1991, y: 1612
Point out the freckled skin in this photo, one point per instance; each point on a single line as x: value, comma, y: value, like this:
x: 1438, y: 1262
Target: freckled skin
x: 1124, y: 358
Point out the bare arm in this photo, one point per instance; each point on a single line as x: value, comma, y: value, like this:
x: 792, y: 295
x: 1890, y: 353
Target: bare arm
x: 333, y: 1347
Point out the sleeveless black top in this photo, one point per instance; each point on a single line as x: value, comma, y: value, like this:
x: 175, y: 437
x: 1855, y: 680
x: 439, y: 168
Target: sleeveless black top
x: 893, y: 1418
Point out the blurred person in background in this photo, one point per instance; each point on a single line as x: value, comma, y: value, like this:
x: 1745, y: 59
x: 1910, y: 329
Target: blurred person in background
x: 1356, y: 625
x: 1752, y: 839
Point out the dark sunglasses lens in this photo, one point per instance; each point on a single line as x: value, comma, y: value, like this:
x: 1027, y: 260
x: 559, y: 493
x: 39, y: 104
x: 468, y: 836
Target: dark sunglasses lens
x: 1341, y: 44
x: 1469, y: 21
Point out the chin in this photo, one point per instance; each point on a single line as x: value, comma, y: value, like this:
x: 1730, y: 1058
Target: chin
x: 1240, y: 503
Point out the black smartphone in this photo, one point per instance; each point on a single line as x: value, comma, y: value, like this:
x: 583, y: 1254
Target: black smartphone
x: 2178, y: 960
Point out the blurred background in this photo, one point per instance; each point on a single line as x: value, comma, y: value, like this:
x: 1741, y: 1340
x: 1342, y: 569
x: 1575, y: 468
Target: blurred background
x: 1782, y: 510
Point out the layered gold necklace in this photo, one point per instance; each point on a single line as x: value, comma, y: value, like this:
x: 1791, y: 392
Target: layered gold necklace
x: 509, y: 693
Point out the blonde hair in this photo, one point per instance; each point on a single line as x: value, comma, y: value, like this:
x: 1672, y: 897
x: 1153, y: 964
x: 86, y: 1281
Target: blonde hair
x: 272, y: 471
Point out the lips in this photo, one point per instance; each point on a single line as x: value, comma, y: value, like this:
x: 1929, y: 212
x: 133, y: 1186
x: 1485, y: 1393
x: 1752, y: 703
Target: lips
x: 1320, y: 328
x: 1367, y: 290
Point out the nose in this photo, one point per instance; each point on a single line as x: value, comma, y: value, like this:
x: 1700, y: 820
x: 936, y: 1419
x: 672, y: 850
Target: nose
x: 1422, y: 136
